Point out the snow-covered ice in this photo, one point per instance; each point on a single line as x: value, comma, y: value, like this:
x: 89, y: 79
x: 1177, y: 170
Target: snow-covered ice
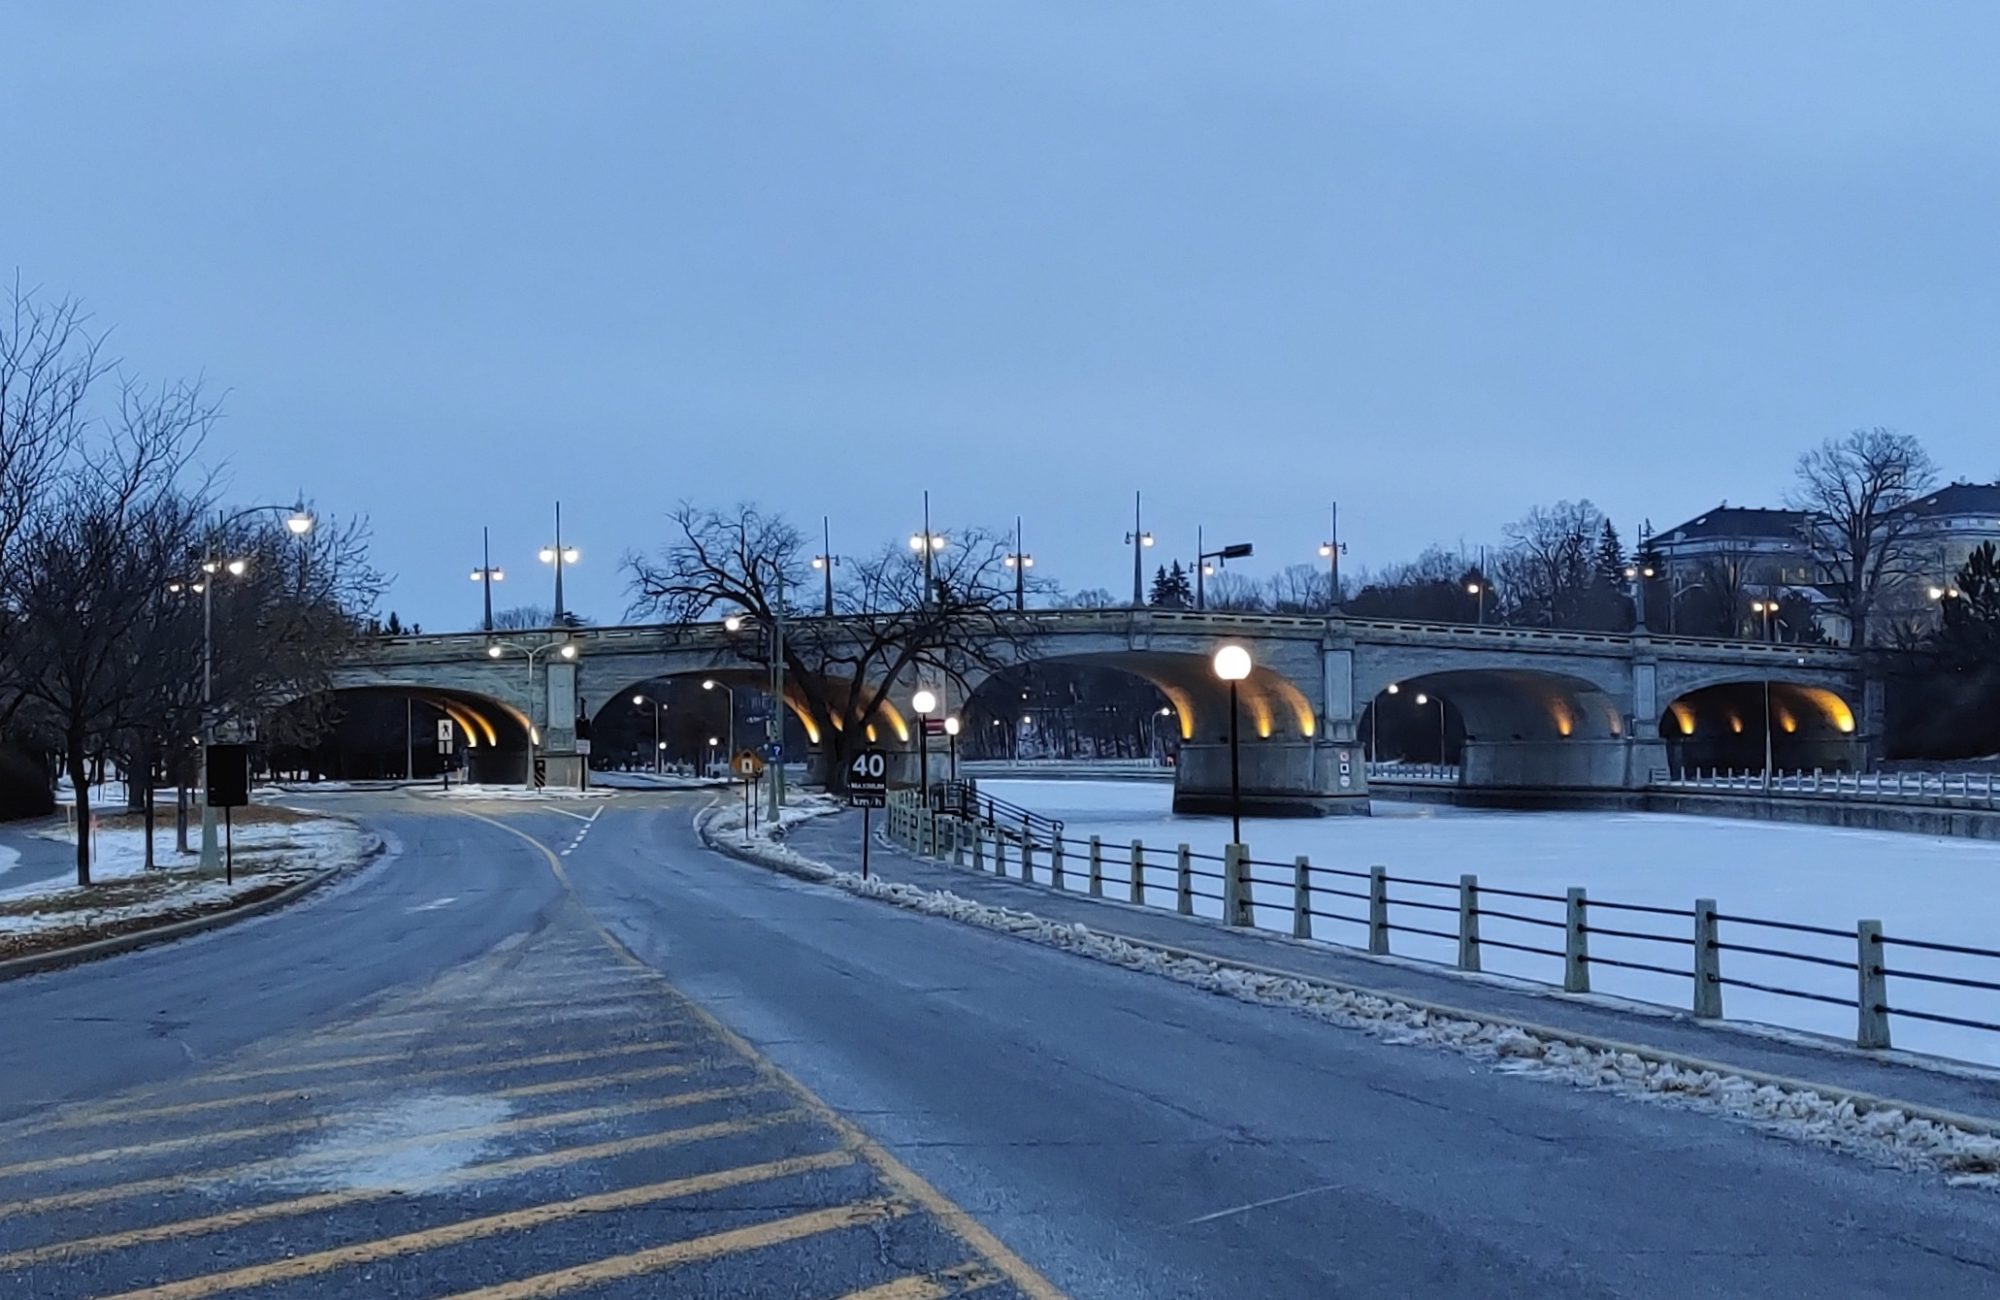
x: 1919, y: 887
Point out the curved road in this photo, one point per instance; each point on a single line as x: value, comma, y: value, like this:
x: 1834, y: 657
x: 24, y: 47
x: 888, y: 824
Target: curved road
x: 537, y: 1055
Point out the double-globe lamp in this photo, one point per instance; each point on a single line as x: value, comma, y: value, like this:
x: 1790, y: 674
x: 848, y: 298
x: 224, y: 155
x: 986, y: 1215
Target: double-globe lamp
x: 924, y: 703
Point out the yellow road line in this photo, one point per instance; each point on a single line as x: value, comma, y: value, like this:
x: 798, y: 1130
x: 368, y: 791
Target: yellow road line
x: 406, y: 1058
x: 184, y: 1180
x: 326, y: 1121
x: 128, y: 1116
x: 463, y: 1019
x: 321, y: 1202
x: 900, y: 1176
x: 967, y: 1277
x: 713, y: 1246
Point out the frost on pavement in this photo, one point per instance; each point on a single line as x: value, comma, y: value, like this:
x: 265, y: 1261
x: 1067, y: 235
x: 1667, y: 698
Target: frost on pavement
x: 1884, y: 1134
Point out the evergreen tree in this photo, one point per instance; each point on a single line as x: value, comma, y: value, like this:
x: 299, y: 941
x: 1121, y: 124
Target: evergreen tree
x: 1172, y: 588
x: 1610, y: 557
x: 1969, y: 633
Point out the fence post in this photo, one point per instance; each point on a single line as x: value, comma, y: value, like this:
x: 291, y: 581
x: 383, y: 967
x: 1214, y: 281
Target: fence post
x: 1096, y: 867
x: 1576, y: 945
x: 1056, y: 862
x: 1027, y: 860
x: 1468, y: 922
x: 1707, y: 962
x: 999, y: 853
x: 1378, y: 910
x: 978, y: 847
x: 1873, y: 1030
x: 1302, y: 917
x: 1184, y: 880
x: 1138, y: 894
x: 1235, y: 885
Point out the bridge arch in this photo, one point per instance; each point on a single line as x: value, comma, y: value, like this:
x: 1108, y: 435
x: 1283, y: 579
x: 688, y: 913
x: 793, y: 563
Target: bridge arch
x: 1726, y: 723
x: 359, y: 733
x: 1272, y: 705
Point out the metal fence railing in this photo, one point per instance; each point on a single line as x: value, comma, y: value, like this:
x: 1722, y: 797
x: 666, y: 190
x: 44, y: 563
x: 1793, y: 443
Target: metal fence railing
x: 1713, y: 951
x: 1414, y: 773
x: 1951, y: 789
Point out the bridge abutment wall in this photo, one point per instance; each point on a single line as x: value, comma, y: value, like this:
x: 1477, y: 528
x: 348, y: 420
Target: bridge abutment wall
x: 1291, y: 778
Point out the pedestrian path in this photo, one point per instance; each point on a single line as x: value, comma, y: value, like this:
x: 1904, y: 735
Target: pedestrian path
x: 1946, y: 1086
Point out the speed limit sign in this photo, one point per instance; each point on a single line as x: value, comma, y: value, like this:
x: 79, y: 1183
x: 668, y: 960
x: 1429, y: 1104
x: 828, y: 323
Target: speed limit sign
x: 868, y: 779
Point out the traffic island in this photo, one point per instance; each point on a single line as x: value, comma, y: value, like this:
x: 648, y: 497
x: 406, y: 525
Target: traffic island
x: 280, y: 855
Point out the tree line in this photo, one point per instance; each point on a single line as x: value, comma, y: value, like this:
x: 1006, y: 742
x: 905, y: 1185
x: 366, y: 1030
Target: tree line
x: 120, y: 559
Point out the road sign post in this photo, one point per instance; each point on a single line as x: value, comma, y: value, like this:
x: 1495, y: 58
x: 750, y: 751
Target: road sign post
x: 748, y: 765
x: 867, y: 789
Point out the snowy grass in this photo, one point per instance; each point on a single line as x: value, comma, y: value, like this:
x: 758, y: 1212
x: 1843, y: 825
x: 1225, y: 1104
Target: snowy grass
x: 274, y: 849
x: 1919, y: 887
x: 1965, y: 1155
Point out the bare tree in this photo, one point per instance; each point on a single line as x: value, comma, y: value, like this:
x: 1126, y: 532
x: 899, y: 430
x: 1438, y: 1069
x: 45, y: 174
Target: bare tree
x: 1549, y: 567
x: 890, y: 629
x: 49, y: 362
x: 1224, y: 590
x: 523, y: 618
x: 1856, y: 492
x: 1300, y: 589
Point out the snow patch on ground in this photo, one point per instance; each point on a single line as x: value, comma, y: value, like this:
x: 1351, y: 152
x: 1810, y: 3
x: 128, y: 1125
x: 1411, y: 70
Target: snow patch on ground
x: 409, y: 1145
x: 1883, y: 1134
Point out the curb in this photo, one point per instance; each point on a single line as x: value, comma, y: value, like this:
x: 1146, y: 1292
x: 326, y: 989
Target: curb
x: 124, y: 943
x: 1862, y: 1102
x: 741, y: 852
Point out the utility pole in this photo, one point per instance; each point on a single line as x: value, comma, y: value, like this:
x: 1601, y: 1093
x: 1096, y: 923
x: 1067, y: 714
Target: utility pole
x: 1140, y: 540
x: 774, y: 726
x: 486, y: 574
x: 826, y: 559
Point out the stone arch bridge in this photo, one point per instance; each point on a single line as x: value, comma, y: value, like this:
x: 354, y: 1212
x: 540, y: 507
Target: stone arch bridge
x: 1539, y: 709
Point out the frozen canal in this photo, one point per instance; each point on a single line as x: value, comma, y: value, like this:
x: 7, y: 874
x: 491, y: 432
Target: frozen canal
x: 1941, y: 890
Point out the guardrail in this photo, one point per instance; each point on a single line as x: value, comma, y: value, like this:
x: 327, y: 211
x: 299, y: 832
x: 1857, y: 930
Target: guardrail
x: 1414, y: 773
x: 963, y: 800
x: 1576, y: 934
x: 1967, y: 789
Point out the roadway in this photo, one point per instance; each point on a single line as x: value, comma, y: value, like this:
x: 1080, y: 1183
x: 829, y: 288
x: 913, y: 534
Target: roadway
x: 537, y: 1055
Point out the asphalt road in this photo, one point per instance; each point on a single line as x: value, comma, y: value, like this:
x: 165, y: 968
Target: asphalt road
x: 490, y: 1069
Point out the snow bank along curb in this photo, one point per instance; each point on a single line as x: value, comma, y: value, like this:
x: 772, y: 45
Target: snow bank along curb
x: 124, y: 943
x: 1963, y: 1148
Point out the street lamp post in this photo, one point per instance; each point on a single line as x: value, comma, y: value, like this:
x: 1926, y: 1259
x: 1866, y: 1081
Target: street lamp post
x: 298, y: 522
x: 710, y: 684
x: 1138, y: 539
x: 1232, y: 665
x: 825, y: 560
x: 486, y: 574
x: 1222, y: 557
x: 951, y: 734
x: 1639, y: 574
x: 1767, y: 609
x: 1331, y: 550
x: 1423, y: 699
x: 659, y: 707
x: 1020, y: 562
x: 927, y: 544
x: 924, y: 703
x: 561, y: 557
x: 564, y: 647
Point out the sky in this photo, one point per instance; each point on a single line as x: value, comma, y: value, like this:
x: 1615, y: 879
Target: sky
x: 452, y: 262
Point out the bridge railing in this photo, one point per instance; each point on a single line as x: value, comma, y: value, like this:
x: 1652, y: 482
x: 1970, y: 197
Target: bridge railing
x: 1946, y: 789
x: 1569, y: 939
x: 1200, y: 622
x: 1388, y: 773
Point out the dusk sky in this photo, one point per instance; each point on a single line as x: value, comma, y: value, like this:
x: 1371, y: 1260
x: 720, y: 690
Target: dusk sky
x: 1439, y: 262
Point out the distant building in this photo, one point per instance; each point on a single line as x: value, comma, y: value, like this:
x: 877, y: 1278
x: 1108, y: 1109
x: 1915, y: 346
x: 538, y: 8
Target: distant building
x: 1721, y: 560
